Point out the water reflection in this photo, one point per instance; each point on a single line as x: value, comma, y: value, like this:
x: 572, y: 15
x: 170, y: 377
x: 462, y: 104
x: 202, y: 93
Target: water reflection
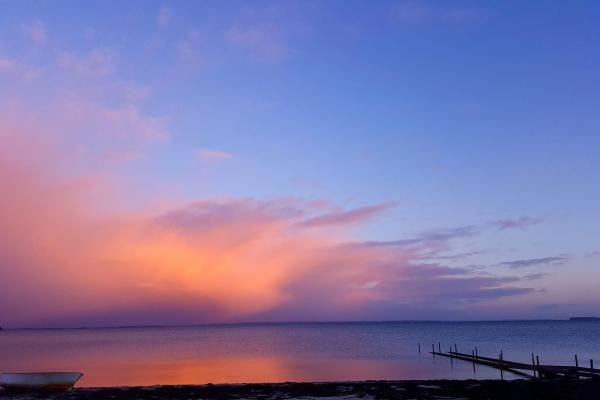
x: 275, y: 353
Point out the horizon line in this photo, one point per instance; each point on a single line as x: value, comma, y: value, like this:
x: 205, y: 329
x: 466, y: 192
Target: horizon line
x: 575, y: 319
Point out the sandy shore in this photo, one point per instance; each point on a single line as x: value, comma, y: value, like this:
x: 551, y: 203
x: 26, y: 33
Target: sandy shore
x: 441, y: 389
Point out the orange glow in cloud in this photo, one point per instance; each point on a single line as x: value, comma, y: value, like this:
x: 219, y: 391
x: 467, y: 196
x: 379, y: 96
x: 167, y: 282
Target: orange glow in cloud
x: 72, y: 251
x: 225, y: 258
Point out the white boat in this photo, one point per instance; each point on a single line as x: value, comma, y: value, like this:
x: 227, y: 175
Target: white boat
x: 39, y: 380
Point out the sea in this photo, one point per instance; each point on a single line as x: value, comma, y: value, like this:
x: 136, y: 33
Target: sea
x: 299, y: 352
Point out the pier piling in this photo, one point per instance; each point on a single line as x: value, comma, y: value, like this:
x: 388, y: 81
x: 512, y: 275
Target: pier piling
x: 526, y: 370
x: 501, y: 365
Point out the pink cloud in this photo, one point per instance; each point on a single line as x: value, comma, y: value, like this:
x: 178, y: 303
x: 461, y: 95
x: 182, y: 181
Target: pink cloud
x: 7, y: 65
x: 16, y: 69
x: 82, y: 243
x: 211, y: 260
x: 36, y: 31
x: 346, y: 217
x: 212, y: 155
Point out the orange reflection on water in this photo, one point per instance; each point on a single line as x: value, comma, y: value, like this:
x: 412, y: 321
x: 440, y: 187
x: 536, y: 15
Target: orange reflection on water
x: 238, y: 370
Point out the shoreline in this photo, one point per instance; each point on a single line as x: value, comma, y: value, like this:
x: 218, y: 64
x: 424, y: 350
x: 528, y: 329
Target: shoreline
x: 408, y: 389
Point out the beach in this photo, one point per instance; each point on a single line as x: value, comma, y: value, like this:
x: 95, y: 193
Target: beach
x: 410, y: 389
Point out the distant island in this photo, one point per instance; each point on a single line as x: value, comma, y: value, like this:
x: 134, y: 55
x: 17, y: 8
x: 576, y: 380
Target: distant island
x: 584, y: 319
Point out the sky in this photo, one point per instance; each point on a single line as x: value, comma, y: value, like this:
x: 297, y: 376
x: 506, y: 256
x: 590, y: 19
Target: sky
x: 183, y: 162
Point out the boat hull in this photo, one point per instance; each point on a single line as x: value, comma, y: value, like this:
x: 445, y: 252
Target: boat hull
x: 42, y: 381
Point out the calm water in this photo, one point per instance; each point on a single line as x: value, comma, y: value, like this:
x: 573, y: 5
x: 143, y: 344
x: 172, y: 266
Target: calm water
x: 290, y: 352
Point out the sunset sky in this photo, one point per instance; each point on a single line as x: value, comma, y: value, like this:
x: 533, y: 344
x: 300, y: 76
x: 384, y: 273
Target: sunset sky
x: 233, y: 161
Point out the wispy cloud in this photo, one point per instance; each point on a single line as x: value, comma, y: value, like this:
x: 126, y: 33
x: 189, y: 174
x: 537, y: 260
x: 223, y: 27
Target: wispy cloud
x: 532, y: 262
x: 532, y: 277
x: 415, y: 12
x: 124, y: 123
x: 36, y: 31
x: 346, y: 217
x: 188, y: 49
x: 100, y: 61
x: 17, y: 69
x: 212, y: 155
x: 458, y: 256
x: 262, y: 41
x: 7, y: 65
x: 262, y: 33
x: 517, y: 223
x: 165, y: 17
x: 428, y: 238
x: 136, y: 93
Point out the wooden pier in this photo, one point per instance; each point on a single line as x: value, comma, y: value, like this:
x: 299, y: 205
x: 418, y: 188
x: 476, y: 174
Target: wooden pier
x: 531, y: 371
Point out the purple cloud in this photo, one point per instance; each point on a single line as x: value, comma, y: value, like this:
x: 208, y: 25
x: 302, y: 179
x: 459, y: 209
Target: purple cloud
x: 532, y: 262
x: 430, y: 237
x: 204, y: 215
x: 346, y: 217
x: 533, y: 277
x: 516, y: 223
x: 394, y: 290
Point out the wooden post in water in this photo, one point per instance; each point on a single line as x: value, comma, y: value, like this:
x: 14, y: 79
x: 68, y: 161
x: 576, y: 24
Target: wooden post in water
x: 533, y: 363
x: 439, y: 347
x: 501, y: 365
x: 540, y: 374
x: 419, y: 344
x: 433, y: 350
x: 473, y: 357
x: 451, y: 362
x: 476, y: 354
x: 592, y: 368
x: 576, y: 367
x: 455, y: 348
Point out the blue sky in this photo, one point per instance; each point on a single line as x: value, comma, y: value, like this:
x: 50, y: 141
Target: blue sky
x: 462, y: 113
